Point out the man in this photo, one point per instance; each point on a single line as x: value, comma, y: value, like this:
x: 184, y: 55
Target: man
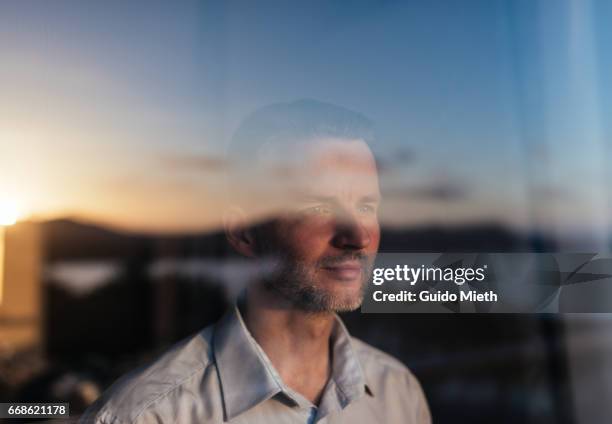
x: 304, y: 202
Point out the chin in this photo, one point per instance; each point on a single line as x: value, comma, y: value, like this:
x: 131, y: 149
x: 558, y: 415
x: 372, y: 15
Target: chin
x: 341, y: 301
x: 346, y: 306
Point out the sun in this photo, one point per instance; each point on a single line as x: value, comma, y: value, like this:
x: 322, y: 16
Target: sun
x: 9, y: 212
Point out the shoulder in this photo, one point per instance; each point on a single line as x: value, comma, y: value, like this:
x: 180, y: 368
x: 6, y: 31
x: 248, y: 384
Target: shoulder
x: 391, y: 380
x: 371, y: 356
x: 184, y: 364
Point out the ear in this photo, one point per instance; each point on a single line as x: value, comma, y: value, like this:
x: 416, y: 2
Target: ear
x: 238, y: 233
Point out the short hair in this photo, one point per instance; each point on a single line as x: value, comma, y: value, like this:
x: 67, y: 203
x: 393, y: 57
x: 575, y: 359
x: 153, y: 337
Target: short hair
x: 301, y: 120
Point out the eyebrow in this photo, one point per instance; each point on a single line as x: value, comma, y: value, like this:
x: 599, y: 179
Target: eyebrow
x: 369, y: 198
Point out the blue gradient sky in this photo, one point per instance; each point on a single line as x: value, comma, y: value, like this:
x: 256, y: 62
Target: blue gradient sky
x: 486, y: 110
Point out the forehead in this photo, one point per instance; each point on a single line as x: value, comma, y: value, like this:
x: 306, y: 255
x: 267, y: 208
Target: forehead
x: 335, y: 166
x: 348, y: 156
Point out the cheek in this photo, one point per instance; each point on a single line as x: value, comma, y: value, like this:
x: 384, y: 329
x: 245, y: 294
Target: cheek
x: 307, y: 236
x: 375, y: 234
x: 311, y: 236
x: 373, y: 230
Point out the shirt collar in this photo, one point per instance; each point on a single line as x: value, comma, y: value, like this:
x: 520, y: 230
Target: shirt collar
x: 347, y: 372
x: 245, y: 379
x: 248, y: 378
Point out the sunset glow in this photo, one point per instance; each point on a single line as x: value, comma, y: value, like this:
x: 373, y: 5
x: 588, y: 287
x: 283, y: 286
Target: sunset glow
x: 9, y: 212
x: 133, y: 134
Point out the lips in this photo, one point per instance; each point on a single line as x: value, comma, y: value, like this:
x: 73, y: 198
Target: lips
x: 349, y: 270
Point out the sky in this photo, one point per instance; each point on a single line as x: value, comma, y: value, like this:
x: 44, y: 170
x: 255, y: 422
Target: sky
x: 486, y: 110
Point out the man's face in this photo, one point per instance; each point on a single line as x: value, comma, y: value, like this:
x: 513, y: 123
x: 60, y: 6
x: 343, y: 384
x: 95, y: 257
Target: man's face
x: 326, y: 239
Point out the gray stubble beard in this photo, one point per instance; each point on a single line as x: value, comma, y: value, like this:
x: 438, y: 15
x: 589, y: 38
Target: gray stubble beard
x: 293, y: 281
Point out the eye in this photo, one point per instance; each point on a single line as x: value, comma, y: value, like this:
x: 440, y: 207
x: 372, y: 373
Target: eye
x: 367, y: 209
x: 318, y: 210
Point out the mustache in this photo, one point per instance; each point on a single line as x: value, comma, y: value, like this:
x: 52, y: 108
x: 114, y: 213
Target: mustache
x: 329, y: 261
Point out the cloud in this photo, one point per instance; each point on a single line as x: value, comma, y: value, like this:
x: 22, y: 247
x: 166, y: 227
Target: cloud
x: 400, y: 158
x: 439, y: 191
x: 404, y: 156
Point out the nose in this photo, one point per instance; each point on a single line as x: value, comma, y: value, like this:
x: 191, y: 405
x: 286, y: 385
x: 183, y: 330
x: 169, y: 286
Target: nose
x: 350, y: 233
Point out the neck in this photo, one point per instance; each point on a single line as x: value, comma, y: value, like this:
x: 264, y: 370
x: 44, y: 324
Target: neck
x: 296, y: 341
